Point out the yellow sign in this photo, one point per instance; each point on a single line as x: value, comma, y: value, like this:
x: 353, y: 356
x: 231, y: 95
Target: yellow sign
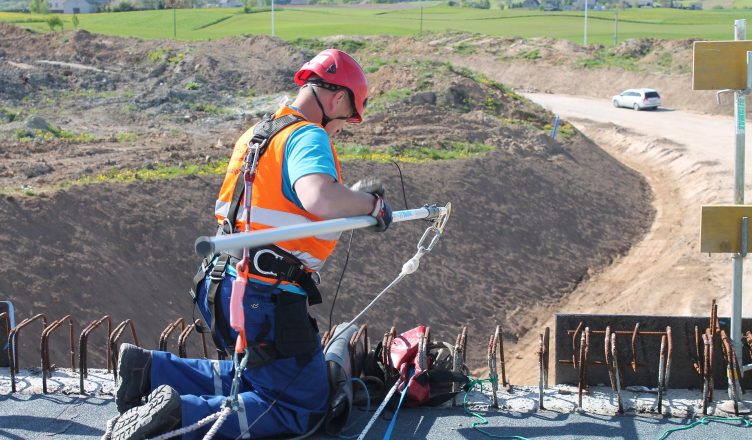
x: 721, y: 230
x: 720, y: 65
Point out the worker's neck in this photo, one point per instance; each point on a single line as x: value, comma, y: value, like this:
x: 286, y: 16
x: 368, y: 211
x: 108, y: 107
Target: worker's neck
x: 308, y: 109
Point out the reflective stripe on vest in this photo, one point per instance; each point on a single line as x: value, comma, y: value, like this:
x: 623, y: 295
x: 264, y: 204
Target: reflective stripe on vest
x: 270, y: 207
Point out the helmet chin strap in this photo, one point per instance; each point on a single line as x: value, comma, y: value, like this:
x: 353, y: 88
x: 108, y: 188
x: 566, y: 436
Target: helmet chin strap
x: 325, y: 119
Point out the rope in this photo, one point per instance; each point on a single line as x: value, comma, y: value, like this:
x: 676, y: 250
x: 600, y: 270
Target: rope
x: 706, y: 420
x: 108, y: 430
x: 206, y: 420
x: 482, y: 420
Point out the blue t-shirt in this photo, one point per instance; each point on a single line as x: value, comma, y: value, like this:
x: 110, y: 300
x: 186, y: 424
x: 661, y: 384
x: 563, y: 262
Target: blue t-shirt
x: 308, y: 151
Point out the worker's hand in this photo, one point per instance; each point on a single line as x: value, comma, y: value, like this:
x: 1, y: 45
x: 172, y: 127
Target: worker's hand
x: 382, y: 212
x: 369, y: 185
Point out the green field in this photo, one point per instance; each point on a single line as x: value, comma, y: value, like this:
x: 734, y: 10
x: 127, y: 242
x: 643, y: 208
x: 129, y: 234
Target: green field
x: 308, y: 22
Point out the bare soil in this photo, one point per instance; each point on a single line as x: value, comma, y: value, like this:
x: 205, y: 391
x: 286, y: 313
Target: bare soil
x: 531, y: 220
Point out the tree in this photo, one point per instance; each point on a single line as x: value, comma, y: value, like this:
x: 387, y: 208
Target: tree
x: 54, y: 22
x: 38, y: 6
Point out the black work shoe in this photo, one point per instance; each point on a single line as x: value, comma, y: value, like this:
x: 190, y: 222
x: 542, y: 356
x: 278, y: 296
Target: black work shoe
x: 134, y: 370
x: 159, y: 415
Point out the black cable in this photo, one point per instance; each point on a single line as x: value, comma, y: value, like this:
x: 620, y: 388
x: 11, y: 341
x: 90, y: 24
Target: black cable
x: 349, y: 244
x: 339, y: 283
x: 404, y: 194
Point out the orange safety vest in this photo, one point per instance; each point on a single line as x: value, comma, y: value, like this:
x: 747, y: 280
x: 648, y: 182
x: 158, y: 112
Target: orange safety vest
x: 270, y: 206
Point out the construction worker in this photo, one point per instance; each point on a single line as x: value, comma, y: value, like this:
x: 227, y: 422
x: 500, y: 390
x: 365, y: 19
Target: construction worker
x: 284, y: 389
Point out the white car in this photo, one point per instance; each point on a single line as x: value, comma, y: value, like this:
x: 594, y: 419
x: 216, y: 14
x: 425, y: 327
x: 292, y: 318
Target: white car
x: 637, y: 99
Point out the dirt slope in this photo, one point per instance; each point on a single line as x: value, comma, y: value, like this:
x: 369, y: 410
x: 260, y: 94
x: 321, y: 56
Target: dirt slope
x: 531, y: 219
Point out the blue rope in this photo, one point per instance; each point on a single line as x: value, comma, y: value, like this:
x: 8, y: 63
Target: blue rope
x: 482, y: 420
x: 706, y: 420
x: 388, y: 433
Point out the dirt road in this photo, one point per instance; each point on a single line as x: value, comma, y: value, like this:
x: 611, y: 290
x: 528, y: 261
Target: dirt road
x: 688, y: 159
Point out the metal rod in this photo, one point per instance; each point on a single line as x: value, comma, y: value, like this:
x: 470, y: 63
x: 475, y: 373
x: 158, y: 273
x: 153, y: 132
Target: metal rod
x: 661, y: 374
x: 207, y: 246
x: 540, y: 374
x: 615, y: 356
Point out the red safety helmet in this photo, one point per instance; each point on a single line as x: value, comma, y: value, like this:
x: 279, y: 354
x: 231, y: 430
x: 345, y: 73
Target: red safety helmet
x: 338, y: 68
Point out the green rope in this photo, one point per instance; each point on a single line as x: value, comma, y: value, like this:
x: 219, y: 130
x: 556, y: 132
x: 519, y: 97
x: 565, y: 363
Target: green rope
x: 705, y: 420
x: 482, y: 420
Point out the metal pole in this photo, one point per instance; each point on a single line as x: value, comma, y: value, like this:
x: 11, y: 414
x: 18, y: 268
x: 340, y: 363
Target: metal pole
x: 740, y: 114
x: 206, y: 246
x: 616, y: 28
x: 586, y: 8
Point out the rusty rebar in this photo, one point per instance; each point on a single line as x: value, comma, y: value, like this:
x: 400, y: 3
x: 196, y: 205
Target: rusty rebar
x: 540, y: 373
x: 386, y: 343
x: 168, y: 331
x: 669, y: 354
x: 731, y: 374
x: 715, y: 326
x: 13, y: 345
x: 546, y: 354
x: 492, y: 372
x: 697, y: 362
x: 607, y: 358
x: 459, y: 358
x: 45, y: 348
x: 502, y: 363
x: 115, y: 336
x: 183, y: 338
x: 661, y: 373
x: 82, y: 348
x: 748, y: 338
x: 581, y: 383
x: 706, y: 387
x: 615, y: 358
x: 356, y: 360
x: 711, y: 363
x: 575, y: 350
x: 635, y: 333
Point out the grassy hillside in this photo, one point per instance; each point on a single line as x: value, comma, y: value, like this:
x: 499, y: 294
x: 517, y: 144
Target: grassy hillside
x: 293, y: 23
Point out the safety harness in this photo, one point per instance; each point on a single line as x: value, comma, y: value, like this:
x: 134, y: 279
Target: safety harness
x: 268, y: 261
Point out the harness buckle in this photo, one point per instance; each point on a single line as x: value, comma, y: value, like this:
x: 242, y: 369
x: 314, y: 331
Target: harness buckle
x: 256, y: 261
x: 316, y: 277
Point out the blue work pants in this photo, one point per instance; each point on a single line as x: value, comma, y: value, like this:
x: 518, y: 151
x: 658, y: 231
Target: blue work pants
x: 284, y: 397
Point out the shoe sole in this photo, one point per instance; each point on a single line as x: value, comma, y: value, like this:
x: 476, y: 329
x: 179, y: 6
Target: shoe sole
x: 139, y: 422
x: 121, y: 398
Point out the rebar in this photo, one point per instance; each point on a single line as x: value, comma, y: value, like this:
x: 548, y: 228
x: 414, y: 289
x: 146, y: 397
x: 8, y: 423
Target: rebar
x: 82, y: 348
x: 459, y: 359
x: 13, y: 346
x: 615, y: 357
x: 492, y: 372
x: 711, y: 364
x: 546, y: 338
x: 580, y: 385
x: 731, y: 376
x: 669, y: 340
x: 115, y: 336
x: 575, y: 350
x: 182, y: 339
x: 706, y: 387
x: 356, y: 360
x: 502, y: 363
x: 45, y: 348
x: 635, y: 333
x: 607, y: 358
x: 661, y: 374
x: 540, y: 374
x: 168, y: 331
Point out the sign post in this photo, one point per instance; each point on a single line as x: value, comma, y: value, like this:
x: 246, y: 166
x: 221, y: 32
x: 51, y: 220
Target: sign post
x: 726, y: 65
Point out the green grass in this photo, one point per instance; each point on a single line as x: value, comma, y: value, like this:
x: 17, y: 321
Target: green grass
x: 445, y: 150
x: 299, y: 24
x: 155, y: 172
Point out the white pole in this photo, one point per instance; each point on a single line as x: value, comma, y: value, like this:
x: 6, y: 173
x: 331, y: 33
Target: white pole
x: 206, y: 246
x: 740, y: 33
x: 272, y: 18
x: 586, y: 9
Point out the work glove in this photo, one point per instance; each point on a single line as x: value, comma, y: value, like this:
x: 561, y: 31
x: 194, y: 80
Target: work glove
x: 382, y: 211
